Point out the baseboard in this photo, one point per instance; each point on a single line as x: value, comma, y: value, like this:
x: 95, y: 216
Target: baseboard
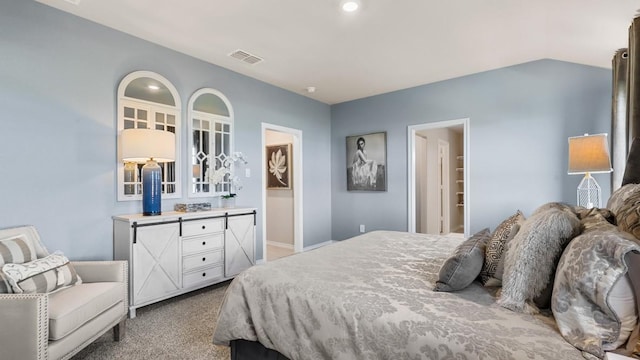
x: 307, y: 248
x: 456, y: 234
x: 280, y: 245
x: 315, y: 246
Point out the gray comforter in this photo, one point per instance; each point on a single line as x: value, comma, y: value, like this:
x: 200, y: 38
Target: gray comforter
x: 370, y: 297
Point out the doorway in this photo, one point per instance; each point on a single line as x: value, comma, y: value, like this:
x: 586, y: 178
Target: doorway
x: 282, y: 215
x: 437, y: 176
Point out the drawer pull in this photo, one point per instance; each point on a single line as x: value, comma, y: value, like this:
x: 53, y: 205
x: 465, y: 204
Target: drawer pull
x: 204, y: 243
x: 204, y: 274
x: 203, y: 259
x: 203, y: 227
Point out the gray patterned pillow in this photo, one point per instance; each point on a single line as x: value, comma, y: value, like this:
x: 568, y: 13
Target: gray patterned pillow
x: 17, y: 250
x: 625, y: 205
x: 42, y: 275
x: 459, y: 270
x: 530, y: 261
x: 590, y: 268
x: 496, y: 245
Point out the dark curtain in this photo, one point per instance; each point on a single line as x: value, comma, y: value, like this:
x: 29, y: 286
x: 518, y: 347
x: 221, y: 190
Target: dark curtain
x: 633, y: 103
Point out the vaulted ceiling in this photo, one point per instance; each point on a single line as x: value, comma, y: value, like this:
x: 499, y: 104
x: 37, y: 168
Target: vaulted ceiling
x: 386, y: 45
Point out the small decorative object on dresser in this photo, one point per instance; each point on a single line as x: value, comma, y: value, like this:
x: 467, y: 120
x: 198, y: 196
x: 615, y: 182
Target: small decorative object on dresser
x: 205, y: 206
x: 228, y: 201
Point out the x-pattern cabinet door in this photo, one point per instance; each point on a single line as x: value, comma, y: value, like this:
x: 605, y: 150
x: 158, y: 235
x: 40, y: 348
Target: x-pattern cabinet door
x: 239, y: 244
x: 156, y: 255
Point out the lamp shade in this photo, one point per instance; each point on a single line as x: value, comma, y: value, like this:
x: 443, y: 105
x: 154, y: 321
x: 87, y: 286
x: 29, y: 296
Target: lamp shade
x: 589, y: 154
x: 140, y: 145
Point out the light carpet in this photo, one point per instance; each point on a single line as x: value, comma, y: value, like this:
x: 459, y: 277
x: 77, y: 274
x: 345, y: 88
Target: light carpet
x: 177, y: 328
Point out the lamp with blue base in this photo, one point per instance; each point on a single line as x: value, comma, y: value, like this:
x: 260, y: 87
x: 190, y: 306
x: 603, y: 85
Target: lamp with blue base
x: 150, y: 146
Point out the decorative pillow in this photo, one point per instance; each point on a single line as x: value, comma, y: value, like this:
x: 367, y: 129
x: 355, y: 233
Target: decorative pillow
x: 15, y: 249
x: 589, y: 277
x: 459, y: 270
x: 584, y: 215
x: 41, y: 275
x: 530, y: 261
x: 625, y: 204
x: 496, y: 244
x: 496, y: 279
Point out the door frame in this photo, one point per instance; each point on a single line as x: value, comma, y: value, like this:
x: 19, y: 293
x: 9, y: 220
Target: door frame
x: 444, y: 217
x: 298, y: 240
x: 411, y: 168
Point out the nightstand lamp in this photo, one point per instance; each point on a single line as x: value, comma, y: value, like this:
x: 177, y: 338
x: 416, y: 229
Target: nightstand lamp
x: 149, y: 146
x: 589, y: 154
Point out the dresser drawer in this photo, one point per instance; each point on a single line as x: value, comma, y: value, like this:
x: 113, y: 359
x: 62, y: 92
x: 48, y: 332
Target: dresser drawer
x: 202, y: 227
x: 200, y: 260
x: 204, y: 275
x: 203, y: 243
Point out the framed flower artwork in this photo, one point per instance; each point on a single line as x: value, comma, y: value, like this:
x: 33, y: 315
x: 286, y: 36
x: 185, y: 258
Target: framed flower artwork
x: 279, y: 166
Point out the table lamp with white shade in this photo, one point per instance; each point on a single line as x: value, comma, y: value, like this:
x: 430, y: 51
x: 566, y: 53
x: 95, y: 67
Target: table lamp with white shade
x: 589, y: 154
x: 149, y: 146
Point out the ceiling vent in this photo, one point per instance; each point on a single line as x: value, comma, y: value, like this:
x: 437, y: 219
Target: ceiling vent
x: 246, y: 57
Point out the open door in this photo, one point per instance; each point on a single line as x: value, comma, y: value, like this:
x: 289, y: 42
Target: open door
x: 437, y: 189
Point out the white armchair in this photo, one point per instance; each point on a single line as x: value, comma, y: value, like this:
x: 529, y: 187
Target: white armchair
x: 59, y: 324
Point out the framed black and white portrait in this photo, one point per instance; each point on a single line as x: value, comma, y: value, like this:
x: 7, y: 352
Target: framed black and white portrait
x: 367, y: 162
x: 279, y: 167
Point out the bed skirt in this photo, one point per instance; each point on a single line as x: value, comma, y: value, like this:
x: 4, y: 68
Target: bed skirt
x: 252, y: 350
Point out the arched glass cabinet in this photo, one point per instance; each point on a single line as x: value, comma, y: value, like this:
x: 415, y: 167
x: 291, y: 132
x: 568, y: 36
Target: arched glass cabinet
x: 210, y: 144
x: 147, y: 100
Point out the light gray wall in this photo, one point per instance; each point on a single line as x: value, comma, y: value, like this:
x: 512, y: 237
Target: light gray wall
x: 280, y: 201
x: 520, y: 119
x: 58, y: 80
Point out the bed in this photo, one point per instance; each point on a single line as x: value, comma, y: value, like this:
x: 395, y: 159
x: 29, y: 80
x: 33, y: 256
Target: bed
x: 371, y: 297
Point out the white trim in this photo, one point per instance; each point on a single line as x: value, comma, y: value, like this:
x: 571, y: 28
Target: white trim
x: 444, y: 218
x: 298, y: 237
x: 411, y: 164
x: 280, y: 245
x: 315, y: 246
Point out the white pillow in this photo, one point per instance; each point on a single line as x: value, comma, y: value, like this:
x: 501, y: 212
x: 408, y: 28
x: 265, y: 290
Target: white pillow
x: 623, y: 303
x: 42, y: 275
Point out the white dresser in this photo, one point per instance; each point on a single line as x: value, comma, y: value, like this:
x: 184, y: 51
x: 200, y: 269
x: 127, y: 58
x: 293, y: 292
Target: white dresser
x: 178, y: 252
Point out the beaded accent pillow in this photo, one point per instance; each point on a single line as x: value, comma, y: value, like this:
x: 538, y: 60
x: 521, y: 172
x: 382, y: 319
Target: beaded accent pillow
x: 496, y: 246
